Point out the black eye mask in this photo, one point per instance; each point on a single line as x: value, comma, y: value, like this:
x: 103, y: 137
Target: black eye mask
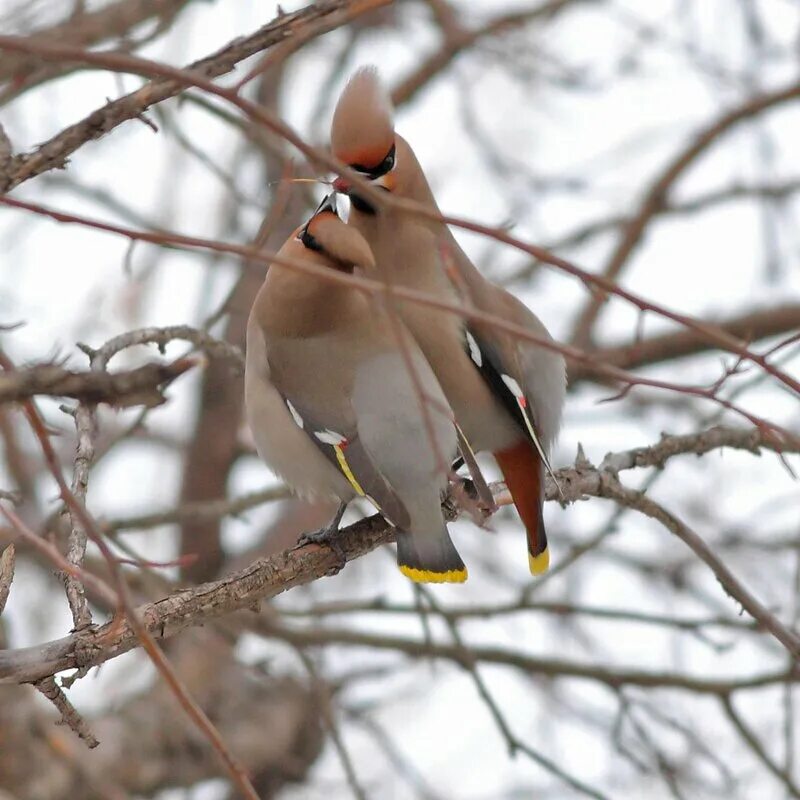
x: 376, y: 172
x: 359, y: 203
x: 309, y: 241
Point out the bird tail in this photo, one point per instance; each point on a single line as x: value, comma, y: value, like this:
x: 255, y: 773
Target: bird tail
x: 426, y: 558
x: 521, y: 466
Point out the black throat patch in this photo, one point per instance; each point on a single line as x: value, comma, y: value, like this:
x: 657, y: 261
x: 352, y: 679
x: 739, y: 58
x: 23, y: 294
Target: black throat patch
x: 360, y: 204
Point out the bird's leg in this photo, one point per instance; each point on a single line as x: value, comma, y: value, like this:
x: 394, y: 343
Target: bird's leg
x: 482, y: 490
x: 328, y: 536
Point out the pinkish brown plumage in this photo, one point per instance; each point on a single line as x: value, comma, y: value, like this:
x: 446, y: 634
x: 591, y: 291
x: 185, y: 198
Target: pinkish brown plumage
x: 331, y: 403
x: 507, y: 393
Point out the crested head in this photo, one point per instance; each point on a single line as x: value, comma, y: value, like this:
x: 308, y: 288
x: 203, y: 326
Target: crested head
x: 363, y: 137
x: 362, y: 131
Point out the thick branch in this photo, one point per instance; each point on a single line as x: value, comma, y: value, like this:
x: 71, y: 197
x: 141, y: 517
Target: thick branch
x: 53, y: 154
x: 751, y: 326
x: 266, y: 578
x: 140, y: 386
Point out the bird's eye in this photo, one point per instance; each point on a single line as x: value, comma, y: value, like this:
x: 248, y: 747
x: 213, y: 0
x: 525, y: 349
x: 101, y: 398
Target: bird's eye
x: 376, y: 172
x: 309, y: 242
x: 387, y: 163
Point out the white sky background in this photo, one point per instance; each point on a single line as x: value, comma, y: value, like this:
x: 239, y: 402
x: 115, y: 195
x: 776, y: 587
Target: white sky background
x: 70, y: 284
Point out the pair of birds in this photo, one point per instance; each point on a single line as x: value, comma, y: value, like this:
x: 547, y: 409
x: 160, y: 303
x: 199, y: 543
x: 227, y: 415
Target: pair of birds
x: 347, y: 398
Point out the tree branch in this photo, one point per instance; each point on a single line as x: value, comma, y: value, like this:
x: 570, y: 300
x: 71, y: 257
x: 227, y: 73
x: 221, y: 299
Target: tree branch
x: 7, y: 562
x: 69, y: 714
x: 750, y: 326
x: 612, y: 677
x: 112, y: 21
x: 458, y: 39
x: 656, y: 196
x: 53, y: 154
x: 266, y: 578
x: 729, y: 582
x: 140, y: 386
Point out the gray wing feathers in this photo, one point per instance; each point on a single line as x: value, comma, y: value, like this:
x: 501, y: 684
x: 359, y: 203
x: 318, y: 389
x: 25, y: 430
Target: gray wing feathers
x: 369, y: 476
x: 544, y: 377
x: 391, y: 428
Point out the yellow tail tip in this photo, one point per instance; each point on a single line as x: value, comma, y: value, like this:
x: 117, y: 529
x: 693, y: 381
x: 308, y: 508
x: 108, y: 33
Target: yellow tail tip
x: 429, y: 576
x: 539, y: 564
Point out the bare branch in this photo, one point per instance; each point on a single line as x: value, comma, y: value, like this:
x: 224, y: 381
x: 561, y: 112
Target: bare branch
x: 732, y: 585
x: 755, y: 745
x: 54, y: 153
x: 85, y: 422
x: 613, y: 678
x: 266, y: 578
x: 458, y: 39
x: 7, y: 561
x: 750, y: 326
x: 140, y: 386
x: 112, y: 21
x: 382, y: 606
x: 161, y: 337
x: 69, y: 714
x: 773, y: 190
x: 204, y: 509
x: 657, y: 193
x: 697, y: 443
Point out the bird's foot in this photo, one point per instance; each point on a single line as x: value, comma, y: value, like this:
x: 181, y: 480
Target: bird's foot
x: 328, y: 537
x: 466, y: 496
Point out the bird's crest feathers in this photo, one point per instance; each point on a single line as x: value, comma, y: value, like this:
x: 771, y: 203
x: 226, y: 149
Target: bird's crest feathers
x: 362, y: 131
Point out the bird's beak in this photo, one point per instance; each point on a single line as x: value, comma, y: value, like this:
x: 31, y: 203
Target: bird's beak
x: 341, y: 185
x: 328, y: 204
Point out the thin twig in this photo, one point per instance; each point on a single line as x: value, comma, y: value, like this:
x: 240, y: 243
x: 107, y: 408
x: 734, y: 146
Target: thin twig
x: 69, y: 714
x: 7, y: 562
x: 751, y: 740
x: 124, y: 603
x: 629, y: 380
x: 613, y: 489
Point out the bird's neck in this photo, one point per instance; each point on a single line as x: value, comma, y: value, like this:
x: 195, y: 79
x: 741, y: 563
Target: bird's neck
x: 297, y: 305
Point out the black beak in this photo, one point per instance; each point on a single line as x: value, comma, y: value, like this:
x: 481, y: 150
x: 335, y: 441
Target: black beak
x: 328, y: 204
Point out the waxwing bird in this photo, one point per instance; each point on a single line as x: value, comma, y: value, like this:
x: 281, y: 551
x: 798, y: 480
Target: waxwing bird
x: 507, y: 393
x: 330, y: 399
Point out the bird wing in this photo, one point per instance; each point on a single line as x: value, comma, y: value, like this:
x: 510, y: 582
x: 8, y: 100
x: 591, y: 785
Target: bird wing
x: 498, y: 360
x: 342, y: 445
x: 407, y: 428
